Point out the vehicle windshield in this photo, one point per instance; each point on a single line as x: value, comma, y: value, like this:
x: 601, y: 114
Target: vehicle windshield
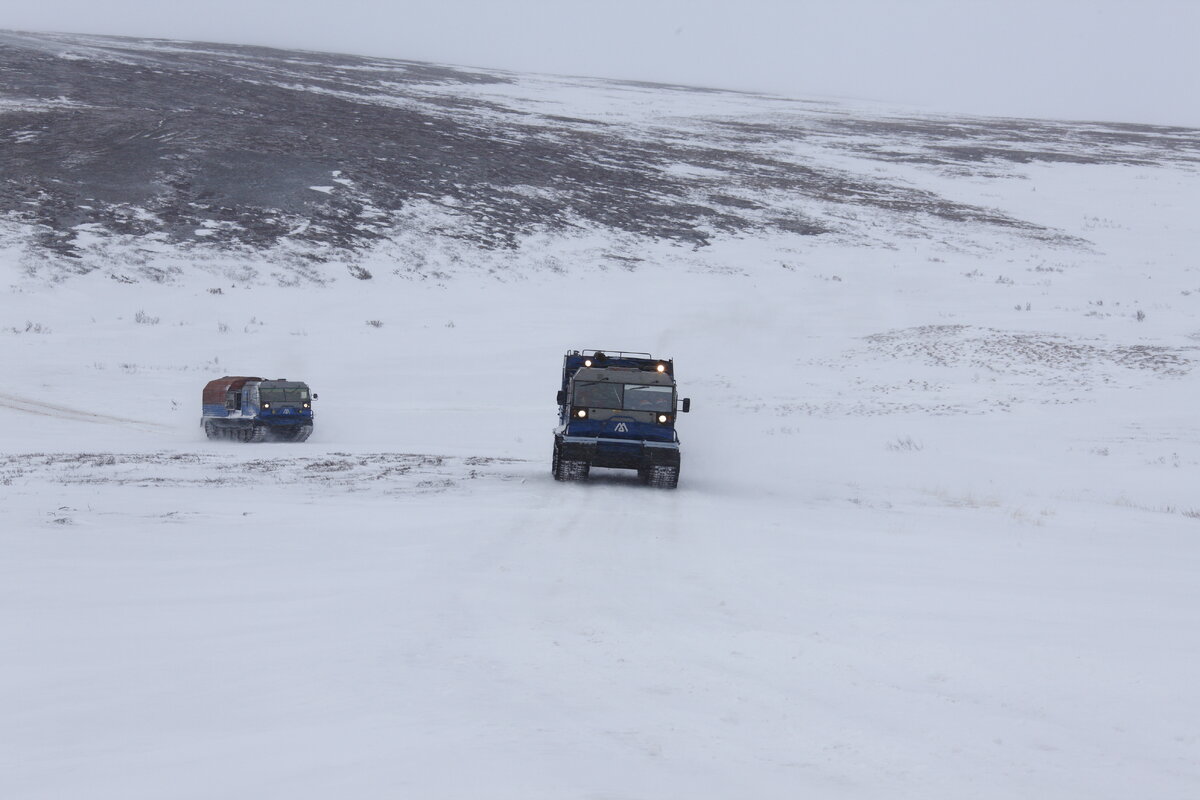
x: 626, y: 396
x: 283, y: 394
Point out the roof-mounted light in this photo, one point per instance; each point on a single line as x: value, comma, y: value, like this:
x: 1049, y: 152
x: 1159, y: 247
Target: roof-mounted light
x: 661, y: 367
x: 587, y: 362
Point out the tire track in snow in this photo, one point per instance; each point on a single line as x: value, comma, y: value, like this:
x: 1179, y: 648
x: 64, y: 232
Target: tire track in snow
x: 28, y: 406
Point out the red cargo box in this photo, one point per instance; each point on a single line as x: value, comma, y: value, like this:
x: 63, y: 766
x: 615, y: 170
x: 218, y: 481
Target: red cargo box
x: 215, y: 391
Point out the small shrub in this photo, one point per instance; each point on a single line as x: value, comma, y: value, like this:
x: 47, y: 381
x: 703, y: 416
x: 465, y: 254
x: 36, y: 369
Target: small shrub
x: 142, y: 318
x: 1140, y: 316
x: 905, y: 444
x: 375, y: 323
x: 222, y: 327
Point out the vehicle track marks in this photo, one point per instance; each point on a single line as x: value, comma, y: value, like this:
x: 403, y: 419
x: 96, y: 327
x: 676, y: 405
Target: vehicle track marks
x: 29, y: 406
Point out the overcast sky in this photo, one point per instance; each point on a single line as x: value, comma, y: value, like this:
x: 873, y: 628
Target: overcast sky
x: 1068, y: 59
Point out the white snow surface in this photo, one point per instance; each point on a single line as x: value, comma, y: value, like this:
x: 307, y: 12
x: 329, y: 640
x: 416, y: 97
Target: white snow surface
x: 937, y: 533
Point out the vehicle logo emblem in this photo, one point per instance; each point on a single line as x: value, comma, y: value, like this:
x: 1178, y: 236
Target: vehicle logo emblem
x: 622, y: 428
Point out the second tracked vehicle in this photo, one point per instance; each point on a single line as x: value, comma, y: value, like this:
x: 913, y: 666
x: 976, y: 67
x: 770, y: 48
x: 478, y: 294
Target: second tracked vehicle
x: 247, y: 409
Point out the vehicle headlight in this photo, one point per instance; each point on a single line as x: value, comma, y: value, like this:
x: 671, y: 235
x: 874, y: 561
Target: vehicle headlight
x: 266, y: 405
x: 306, y: 405
x: 663, y: 417
x: 587, y: 362
x: 581, y: 413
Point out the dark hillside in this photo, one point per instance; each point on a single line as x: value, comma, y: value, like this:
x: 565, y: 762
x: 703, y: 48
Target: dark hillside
x: 221, y: 146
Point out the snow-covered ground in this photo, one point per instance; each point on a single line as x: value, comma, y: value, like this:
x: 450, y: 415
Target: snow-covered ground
x: 937, y: 532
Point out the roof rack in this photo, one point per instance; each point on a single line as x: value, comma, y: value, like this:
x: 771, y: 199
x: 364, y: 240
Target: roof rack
x: 614, y: 353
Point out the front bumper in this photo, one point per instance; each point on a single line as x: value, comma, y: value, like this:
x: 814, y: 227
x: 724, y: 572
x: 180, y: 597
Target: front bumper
x: 601, y: 451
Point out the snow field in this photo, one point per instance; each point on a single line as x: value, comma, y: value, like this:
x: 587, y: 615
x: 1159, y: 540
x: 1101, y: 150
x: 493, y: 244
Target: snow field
x: 927, y: 543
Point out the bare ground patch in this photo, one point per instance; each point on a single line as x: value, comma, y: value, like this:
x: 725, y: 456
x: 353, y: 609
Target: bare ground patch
x: 329, y: 472
x: 962, y: 369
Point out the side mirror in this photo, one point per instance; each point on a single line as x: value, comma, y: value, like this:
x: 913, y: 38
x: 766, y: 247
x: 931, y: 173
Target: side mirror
x: 562, y: 397
x: 314, y: 397
x: 687, y: 404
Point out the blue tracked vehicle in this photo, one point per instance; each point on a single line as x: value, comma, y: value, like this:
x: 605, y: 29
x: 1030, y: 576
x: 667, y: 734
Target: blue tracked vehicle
x: 248, y: 409
x: 618, y: 410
